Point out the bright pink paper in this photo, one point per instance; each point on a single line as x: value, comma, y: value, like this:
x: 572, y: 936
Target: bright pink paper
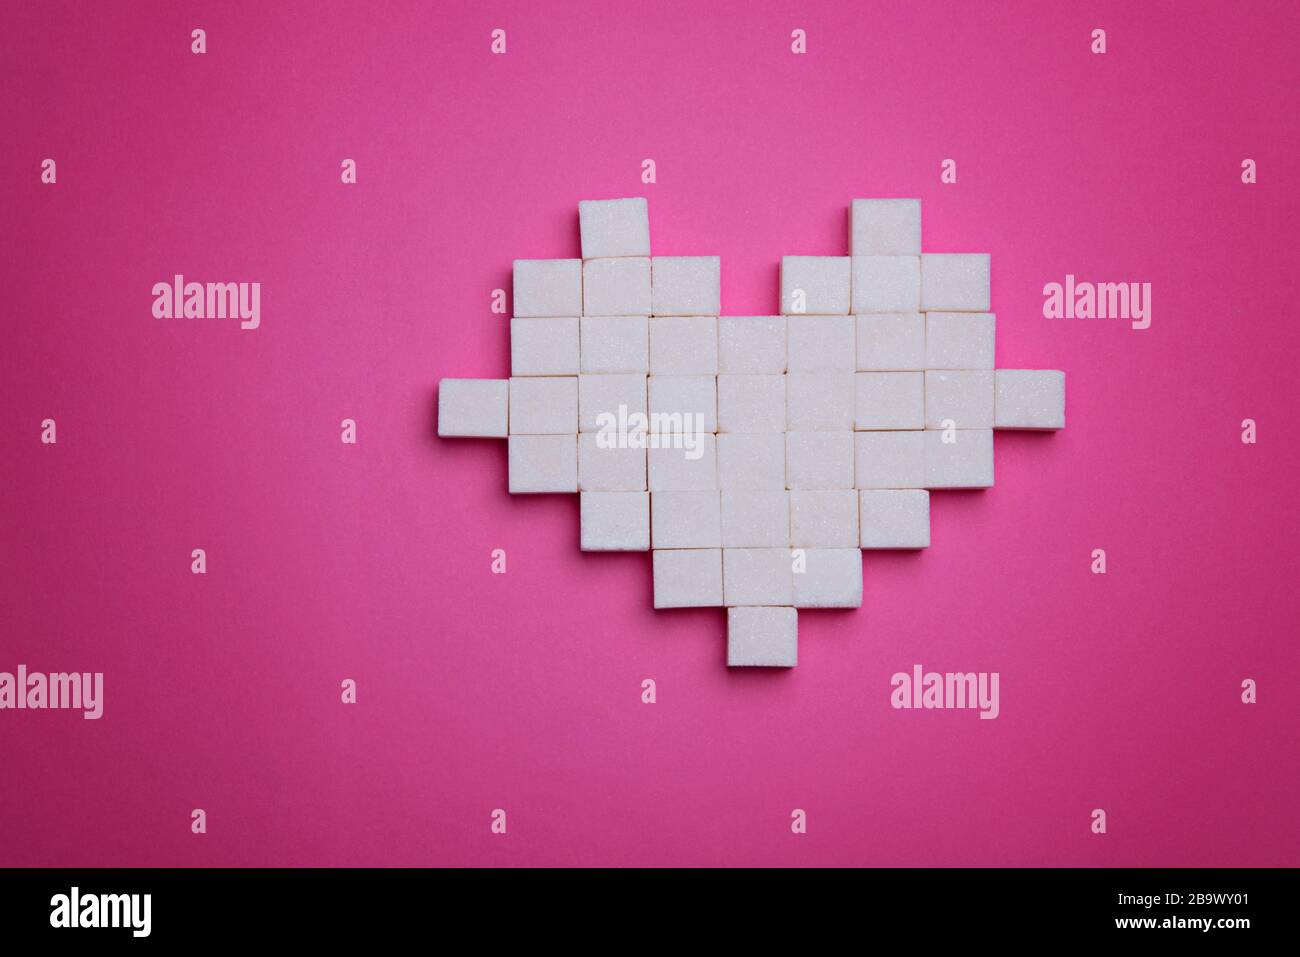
x: 522, y: 691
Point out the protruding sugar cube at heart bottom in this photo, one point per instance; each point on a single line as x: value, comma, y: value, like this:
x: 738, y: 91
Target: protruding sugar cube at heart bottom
x: 543, y: 463
x: 687, y: 578
x: 473, y: 408
x: 615, y: 521
x: 614, y: 227
x: 831, y: 578
x: 1029, y: 399
x: 894, y: 518
x: 763, y: 637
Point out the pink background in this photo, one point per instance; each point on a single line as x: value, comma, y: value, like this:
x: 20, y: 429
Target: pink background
x: 522, y: 691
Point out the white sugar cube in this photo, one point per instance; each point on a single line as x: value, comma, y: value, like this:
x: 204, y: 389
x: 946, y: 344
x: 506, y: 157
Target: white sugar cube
x: 611, y: 345
x: 891, y: 341
x: 886, y: 227
x: 894, y: 518
x: 1029, y: 399
x: 473, y: 408
x: 686, y: 285
x: 819, y: 460
x: 751, y: 344
x: 688, y: 578
x: 751, y: 403
x: 965, y: 461
x: 610, y: 401
x: 762, y: 638
x: 755, y: 518
x: 751, y: 460
x: 543, y: 463
x: 757, y: 576
x: 686, y: 519
x: 615, y: 521
x: 890, y: 400
x: 604, y: 467
x: 547, y: 287
x: 820, y: 401
x: 955, y: 282
x: 543, y: 405
x: 886, y: 283
x: 815, y: 285
x: 684, y: 469
x: 832, y: 578
x: 959, y: 340
x: 543, y: 347
x: 684, y: 346
x: 889, y: 459
x: 616, y: 287
x: 821, y: 343
x: 824, y: 518
x: 614, y: 227
x: 962, y: 400
x: 687, y: 402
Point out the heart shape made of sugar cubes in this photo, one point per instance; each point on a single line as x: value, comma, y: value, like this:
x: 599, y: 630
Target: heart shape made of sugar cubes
x: 755, y: 456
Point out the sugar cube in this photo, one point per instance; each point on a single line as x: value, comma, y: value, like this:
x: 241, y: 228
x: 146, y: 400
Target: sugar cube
x: 616, y: 287
x: 831, y: 578
x: 757, y: 576
x: 687, y: 402
x: 751, y: 460
x: 751, y: 403
x: 604, y: 467
x: 543, y: 347
x: 962, y: 400
x: 820, y: 401
x: 684, y: 469
x: 543, y: 463
x: 612, y: 345
x: 611, y: 402
x: 687, y: 578
x: 755, y: 518
x: 821, y: 343
x: 886, y: 283
x: 819, y: 460
x: 684, y: 345
x: 824, y: 518
x: 686, y: 519
x: 686, y: 286
x: 964, y: 461
x: 891, y: 341
x: 751, y: 344
x: 473, y: 408
x: 543, y: 405
x: 614, y: 227
x: 815, y: 285
x: 889, y: 459
x: 894, y: 518
x: 547, y: 287
x: 615, y: 521
x: 762, y: 637
x: 959, y: 340
x: 890, y: 400
x: 1029, y: 399
x: 955, y: 282
x: 886, y: 227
